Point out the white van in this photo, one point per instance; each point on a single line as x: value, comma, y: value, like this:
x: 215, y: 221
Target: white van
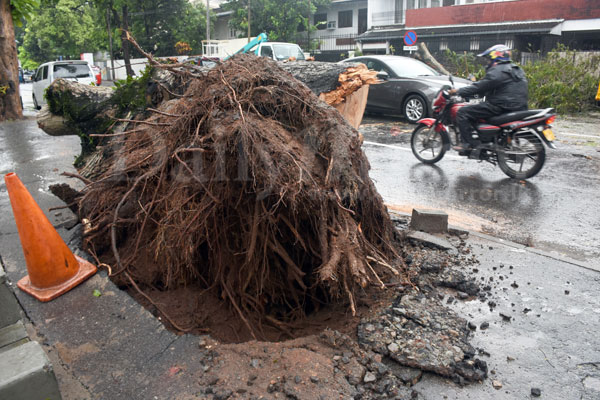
x: 74, y: 70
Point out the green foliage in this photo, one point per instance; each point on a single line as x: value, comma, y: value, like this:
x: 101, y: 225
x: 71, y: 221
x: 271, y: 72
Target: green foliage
x: 130, y: 93
x: 563, y: 81
x: 28, y: 64
x: 280, y: 19
x: 157, y: 25
x: 464, y: 65
x: 23, y: 9
x: 62, y: 28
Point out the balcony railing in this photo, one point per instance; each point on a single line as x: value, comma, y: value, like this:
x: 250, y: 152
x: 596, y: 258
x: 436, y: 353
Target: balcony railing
x: 387, y: 18
x: 328, y: 42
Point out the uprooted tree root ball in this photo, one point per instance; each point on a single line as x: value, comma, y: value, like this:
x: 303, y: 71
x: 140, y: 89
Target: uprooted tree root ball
x: 247, y: 184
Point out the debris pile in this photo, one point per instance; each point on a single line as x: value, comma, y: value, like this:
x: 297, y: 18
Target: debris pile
x: 246, y: 183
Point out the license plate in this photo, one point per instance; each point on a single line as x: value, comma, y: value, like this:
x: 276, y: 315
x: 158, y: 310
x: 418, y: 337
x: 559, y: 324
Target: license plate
x: 549, y: 135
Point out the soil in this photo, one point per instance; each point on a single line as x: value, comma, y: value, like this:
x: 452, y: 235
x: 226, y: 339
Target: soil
x: 399, y: 333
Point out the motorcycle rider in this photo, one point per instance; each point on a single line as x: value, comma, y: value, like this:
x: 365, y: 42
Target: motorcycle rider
x: 504, y: 87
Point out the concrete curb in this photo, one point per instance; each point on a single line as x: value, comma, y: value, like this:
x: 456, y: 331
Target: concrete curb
x: 25, y: 371
x: 557, y: 257
x: 10, y: 311
x: 26, y: 374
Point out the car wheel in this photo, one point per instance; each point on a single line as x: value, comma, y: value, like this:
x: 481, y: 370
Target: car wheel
x: 35, y: 103
x: 414, y: 108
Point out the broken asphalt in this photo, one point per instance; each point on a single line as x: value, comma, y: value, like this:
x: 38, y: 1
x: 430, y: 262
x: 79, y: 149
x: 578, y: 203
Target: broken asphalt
x: 537, y: 329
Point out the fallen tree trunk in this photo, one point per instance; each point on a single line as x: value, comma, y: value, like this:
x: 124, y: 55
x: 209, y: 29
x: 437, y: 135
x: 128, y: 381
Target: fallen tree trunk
x: 425, y: 56
x: 76, y: 109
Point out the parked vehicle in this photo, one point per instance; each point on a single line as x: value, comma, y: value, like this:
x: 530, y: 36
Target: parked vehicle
x: 76, y: 70
x: 408, y: 89
x: 202, y: 61
x: 514, y: 141
x: 278, y: 51
x: 28, y: 75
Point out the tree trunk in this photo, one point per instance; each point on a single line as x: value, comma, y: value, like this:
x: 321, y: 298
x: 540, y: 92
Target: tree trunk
x: 424, y: 54
x: 125, y: 42
x: 10, y: 99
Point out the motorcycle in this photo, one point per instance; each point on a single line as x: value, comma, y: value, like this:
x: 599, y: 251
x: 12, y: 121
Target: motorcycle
x: 514, y: 141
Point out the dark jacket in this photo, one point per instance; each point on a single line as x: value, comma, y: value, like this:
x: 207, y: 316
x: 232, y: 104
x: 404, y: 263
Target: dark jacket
x: 504, y: 85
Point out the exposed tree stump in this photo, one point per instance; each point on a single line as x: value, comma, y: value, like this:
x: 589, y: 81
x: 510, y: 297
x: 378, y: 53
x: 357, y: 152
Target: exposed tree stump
x: 247, y: 183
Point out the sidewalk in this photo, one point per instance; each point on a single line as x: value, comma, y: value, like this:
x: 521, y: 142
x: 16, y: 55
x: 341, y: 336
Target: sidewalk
x: 110, y: 347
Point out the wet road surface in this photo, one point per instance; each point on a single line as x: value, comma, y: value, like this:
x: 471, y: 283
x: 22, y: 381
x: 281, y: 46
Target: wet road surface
x: 557, y: 210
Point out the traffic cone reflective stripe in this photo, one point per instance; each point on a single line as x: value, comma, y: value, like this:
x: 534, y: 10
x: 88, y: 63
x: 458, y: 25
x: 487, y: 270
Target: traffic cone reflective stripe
x: 52, y: 268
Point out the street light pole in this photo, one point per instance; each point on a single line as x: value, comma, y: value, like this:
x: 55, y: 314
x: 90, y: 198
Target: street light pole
x: 207, y: 22
x: 248, y: 21
x: 110, y: 47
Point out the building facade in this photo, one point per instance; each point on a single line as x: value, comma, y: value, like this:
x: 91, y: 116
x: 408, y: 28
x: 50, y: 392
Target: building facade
x: 474, y: 25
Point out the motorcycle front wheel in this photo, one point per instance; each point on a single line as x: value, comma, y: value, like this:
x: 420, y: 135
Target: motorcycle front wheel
x: 427, y: 144
x: 524, y: 157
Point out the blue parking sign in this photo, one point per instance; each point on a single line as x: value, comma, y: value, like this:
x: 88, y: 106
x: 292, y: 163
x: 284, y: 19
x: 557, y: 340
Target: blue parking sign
x: 410, y: 38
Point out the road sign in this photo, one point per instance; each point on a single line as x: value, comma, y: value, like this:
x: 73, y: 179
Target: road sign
x: 411, y: 48
x: 410, y: 38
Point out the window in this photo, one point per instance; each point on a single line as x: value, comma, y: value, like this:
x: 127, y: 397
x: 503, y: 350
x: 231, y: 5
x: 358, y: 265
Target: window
x: 320, y: 21
x: 362, y: 20
x: 447, y: 3
x: 345, y: 19
x: 399, y: 12
x: 71, y: 71
x: 443, y: 45
x: 410, y: 4
x: 509, y: 43
x: 474, y: 44
x: 45, y: 73
x: 375, y: 65
x: 285, y: 51
x: 266, y: 51
x: 435, y: 3
x: 232, y: 33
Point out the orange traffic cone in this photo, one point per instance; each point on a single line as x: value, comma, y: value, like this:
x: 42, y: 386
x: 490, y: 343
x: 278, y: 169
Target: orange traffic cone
x: 53, y: 269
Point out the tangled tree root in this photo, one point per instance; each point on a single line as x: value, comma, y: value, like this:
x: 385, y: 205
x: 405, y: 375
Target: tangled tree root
x: 248, y: 184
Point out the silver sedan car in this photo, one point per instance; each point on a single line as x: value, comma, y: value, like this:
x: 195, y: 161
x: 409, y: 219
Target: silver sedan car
x: 409, y: 86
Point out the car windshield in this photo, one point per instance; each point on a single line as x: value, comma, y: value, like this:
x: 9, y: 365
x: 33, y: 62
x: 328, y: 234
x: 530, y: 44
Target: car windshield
x: 410, y: 68
x: 71, y: 71
x: 285, y: 51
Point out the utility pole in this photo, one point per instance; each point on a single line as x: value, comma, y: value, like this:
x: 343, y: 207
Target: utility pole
x: 308, y: 29
x: 112, y: 62
x: 248, y: 21
x: 207, y: 24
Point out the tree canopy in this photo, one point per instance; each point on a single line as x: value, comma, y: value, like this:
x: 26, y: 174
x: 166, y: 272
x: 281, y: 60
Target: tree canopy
x: 68, y: 28
x: 280, y: 19
x: 62, y: 28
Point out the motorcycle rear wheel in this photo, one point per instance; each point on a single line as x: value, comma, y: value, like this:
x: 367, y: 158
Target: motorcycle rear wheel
x: 427, y: 149
x: 524, y: 157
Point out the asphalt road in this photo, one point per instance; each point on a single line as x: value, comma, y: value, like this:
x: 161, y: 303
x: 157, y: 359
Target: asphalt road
x: 553, y: 305
x: 553, y: 211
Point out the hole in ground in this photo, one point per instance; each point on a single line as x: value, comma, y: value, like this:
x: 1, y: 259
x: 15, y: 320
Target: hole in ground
x: 203, y: 311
